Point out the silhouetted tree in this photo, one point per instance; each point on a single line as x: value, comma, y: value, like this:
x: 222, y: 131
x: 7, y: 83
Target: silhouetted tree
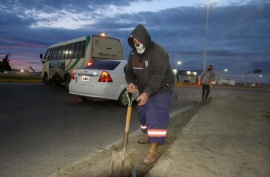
x: 1, y: 67
x: 5, y: 64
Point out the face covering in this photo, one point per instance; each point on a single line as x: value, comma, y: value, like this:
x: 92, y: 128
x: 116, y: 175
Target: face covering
x: 140, y: 48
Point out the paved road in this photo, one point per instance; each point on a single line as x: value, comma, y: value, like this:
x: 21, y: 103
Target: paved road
x: 43, y: 128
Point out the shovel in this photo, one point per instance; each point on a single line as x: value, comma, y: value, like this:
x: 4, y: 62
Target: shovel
x: 118, y: 158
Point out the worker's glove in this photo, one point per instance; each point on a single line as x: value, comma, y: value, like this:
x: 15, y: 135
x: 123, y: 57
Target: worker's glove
x: 199, y: 83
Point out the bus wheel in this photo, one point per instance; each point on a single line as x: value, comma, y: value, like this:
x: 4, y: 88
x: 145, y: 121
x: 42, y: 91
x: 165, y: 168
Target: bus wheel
x: 46, y: 79
x: 123, y: 100
x: 67, y: 81
x: 86, y: 99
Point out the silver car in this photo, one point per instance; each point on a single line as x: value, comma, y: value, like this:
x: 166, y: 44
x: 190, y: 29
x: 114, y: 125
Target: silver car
x: 102, y: 79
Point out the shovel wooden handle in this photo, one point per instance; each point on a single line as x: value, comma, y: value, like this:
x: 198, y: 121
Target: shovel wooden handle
x: 128, y: 118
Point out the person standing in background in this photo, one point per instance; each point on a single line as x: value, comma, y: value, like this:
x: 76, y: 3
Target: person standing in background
x: 206, y: 79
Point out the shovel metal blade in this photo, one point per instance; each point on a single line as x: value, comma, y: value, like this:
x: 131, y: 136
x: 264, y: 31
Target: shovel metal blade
x: 118, y: 163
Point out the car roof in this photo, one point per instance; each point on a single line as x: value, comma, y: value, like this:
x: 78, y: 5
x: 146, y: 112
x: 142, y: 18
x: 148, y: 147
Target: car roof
x: 110, y: 63
x: 102, y: 60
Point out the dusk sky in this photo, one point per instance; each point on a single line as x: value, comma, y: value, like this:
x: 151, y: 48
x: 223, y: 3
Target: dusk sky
x: 238, y: 35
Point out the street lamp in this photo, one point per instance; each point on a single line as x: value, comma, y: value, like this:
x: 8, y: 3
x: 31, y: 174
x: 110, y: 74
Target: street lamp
x: 206, y: 34
x: 179, y: 63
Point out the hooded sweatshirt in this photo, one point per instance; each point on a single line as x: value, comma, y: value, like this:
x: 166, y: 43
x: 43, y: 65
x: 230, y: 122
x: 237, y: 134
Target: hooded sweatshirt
x: 151, y: 70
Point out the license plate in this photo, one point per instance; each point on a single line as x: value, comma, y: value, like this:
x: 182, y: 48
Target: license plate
x: 85, y: 78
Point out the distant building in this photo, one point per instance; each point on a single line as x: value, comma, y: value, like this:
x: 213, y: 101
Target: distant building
x: 188, y: 75
x: 221, y: 80
x: 225, y: 82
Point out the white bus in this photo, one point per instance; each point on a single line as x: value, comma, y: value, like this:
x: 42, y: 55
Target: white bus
x: 61, y: 58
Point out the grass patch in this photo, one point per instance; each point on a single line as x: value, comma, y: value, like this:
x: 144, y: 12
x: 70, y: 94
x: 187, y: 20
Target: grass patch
x: 20, y: 78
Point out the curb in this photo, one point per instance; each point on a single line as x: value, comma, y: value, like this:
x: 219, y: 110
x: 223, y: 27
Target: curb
x: 20, y: 81
x: 179, y: 84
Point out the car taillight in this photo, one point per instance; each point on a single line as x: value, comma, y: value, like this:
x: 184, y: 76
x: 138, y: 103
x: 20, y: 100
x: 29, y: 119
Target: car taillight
x: 89, y: 63
x: 105, y: 77
x: 73, y: 74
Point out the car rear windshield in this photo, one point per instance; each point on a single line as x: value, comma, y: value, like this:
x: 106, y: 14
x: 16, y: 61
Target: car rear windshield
x: 106, y: 65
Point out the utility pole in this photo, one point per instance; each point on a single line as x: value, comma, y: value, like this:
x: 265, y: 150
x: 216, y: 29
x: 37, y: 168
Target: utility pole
x: 173, y: 57
x: 8, y: 49
x: 206, y: 34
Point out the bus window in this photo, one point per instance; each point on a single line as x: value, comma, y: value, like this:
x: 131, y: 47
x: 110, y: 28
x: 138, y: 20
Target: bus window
x: 71, y: 51
x: 77, y: 50
x: 59, y: 53
x: 54, y: 54
x: 63, y: 52
x: 48, y: 55
x: 82, y: 49
x: 67, y: 51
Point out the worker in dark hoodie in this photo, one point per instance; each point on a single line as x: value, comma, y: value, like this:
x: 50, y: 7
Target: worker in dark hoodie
x: 149, y: 71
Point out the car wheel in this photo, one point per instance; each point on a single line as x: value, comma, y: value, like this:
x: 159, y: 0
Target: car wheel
x: 123, y: 100
x: 86, y: 99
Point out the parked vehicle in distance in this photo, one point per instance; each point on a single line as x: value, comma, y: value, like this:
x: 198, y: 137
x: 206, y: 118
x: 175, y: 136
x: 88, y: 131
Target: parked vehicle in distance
x: 60, y: 59
x: 102, y: 79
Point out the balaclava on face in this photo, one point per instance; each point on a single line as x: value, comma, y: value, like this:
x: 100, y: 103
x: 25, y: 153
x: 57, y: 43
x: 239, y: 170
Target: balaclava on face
x: 140, y: 48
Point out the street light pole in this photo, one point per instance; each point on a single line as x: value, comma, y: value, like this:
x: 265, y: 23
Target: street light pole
x: 206, y: 34
x: 173, y: 55
x: 246, y: 77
